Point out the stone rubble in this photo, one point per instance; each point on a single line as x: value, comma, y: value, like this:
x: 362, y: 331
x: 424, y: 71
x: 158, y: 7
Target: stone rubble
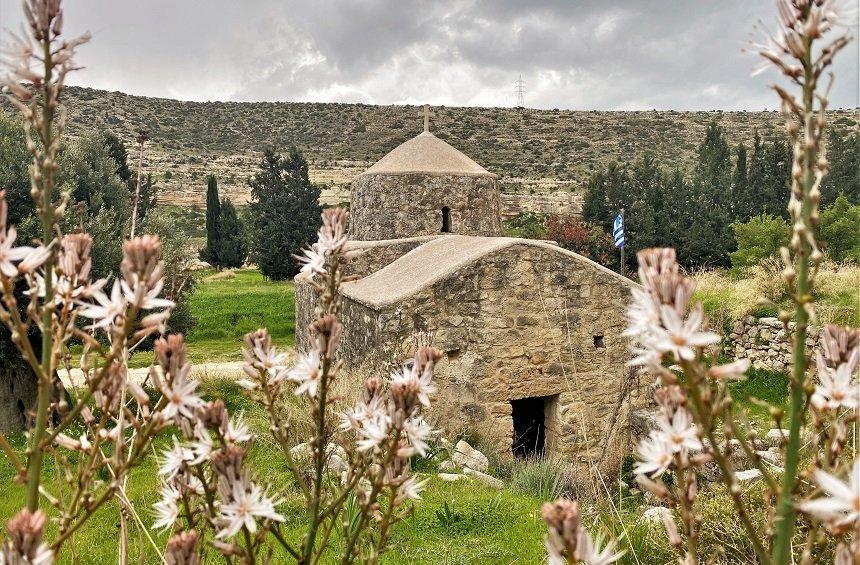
x: 468, y: 457
x: 748, y: 477
x: 484, y: 478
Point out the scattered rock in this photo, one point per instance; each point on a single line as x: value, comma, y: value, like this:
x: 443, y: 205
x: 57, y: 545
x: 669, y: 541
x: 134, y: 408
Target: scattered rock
x: 748, y: 477
x: 491, y: 482
x: 452, y: 477
x: 302, y: 452
x: 467, y: 456
x: 772, y: 457
x: 655, y: 514
x: 447, y: 465
x: 775, y: 436
x: 644, y: 421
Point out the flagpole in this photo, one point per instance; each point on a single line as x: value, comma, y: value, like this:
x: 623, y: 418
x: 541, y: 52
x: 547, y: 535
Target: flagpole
x: 625, y: 243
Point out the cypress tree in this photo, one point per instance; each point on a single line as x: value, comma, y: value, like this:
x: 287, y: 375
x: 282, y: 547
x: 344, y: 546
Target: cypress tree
x: 777, y: 177
x: 232, y: 247
x: 594, y: 206
x: 709, y: 238
x: 843, y: 153
x: 118, y: 152
x: 756, y: 179
x: 285, y: 212
x: 213, y: 216
x: 741, y: 205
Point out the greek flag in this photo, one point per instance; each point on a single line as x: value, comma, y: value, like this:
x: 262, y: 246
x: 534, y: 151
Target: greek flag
x: 618, y: 231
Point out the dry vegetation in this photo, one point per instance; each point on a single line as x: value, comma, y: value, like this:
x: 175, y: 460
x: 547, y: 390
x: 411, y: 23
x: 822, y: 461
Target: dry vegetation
x: 532, y: 150
x: 727, y: 297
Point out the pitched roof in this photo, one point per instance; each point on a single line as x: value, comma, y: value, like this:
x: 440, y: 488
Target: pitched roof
x: 426, y: 153
x: 436, y: 260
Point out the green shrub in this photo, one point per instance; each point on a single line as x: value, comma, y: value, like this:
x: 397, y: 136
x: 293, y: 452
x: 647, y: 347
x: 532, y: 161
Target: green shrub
x: 539, y: 477
x: 758, y: 238
x: 840, y: 230
x: 527, y: 224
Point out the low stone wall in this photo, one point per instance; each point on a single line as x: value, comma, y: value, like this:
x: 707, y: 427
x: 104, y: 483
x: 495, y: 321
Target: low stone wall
x: 563, y: 203
x: 765, y: 342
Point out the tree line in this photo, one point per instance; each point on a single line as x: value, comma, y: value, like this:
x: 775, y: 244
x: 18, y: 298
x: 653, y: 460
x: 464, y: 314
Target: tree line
x: 282, y: 217
x: 695, y: 211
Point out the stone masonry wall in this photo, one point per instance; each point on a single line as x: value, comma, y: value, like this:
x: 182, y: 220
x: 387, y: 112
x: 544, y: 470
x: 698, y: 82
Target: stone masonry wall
x: 390, y: 206
x: 765, y: 342
x: 512, y: 203
x: 523, y: 322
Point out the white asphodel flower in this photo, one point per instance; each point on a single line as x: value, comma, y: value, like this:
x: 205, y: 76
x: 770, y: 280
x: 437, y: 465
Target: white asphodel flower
x: 417, y: 430
x: 9, y: 255
x: 247, y: 506
x: 836, y: 388
x: 174, y: 458
x: 643, y: 314
x: 166, y: 509
x: 841, y: 505
x: 681, y: 432
x: 182, y: 399
x: 589, y: 551
x: 656, y: 454
x: 734, y: 371
x: 306, y: 373
x: 374, y: 431
x: 107, y: 310
x: 680, y: 336
x: 411, y: 489
x: 312, y: 261
x: 271, y: 360
x: 422, y: 384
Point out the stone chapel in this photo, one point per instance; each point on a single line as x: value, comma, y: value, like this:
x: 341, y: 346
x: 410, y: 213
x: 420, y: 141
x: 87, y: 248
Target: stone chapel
x: 531, y: 332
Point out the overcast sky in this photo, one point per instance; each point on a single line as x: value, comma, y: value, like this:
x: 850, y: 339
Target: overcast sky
x: 602, y: 54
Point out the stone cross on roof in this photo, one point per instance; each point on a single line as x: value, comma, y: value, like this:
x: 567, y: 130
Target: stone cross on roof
x: 427, y: 114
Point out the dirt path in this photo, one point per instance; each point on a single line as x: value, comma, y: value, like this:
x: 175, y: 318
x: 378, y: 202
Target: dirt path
x: 199, y: 371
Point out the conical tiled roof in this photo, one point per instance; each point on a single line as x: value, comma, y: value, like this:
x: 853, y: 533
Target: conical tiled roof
x: 426, y: 153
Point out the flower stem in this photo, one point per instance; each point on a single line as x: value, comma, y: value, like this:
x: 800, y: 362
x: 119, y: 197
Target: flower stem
x: 35, y: 452
x: 785, y: 514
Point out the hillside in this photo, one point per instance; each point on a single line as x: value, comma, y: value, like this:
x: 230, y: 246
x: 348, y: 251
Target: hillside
x: 533, y: 151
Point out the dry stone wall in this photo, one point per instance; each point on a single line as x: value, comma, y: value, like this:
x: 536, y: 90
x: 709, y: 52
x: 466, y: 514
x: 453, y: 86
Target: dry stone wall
x: 765, y: 342
x: 561, y: 202
x: 389, y: 206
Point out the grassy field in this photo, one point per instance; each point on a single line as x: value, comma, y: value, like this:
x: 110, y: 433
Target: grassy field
x: 230, y: 304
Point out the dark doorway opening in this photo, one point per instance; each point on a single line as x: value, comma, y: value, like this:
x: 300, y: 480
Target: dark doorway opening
x: 529, y: 415
x: 446, y: 219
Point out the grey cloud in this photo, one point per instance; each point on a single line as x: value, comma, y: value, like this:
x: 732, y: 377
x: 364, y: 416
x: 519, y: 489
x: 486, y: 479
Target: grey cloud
x: 610, y: 54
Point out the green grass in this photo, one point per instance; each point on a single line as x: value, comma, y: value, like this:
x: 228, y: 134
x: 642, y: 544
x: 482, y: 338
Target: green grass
x: 488, y: 527
x: 767, y: 386
x: 228, y: 308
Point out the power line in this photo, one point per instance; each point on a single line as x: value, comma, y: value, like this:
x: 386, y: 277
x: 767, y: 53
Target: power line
x: 521, y: 103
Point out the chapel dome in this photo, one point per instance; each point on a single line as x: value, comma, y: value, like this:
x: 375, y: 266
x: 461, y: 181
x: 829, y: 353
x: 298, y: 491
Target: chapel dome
x: 422, y: 187
x: 425, y: 153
